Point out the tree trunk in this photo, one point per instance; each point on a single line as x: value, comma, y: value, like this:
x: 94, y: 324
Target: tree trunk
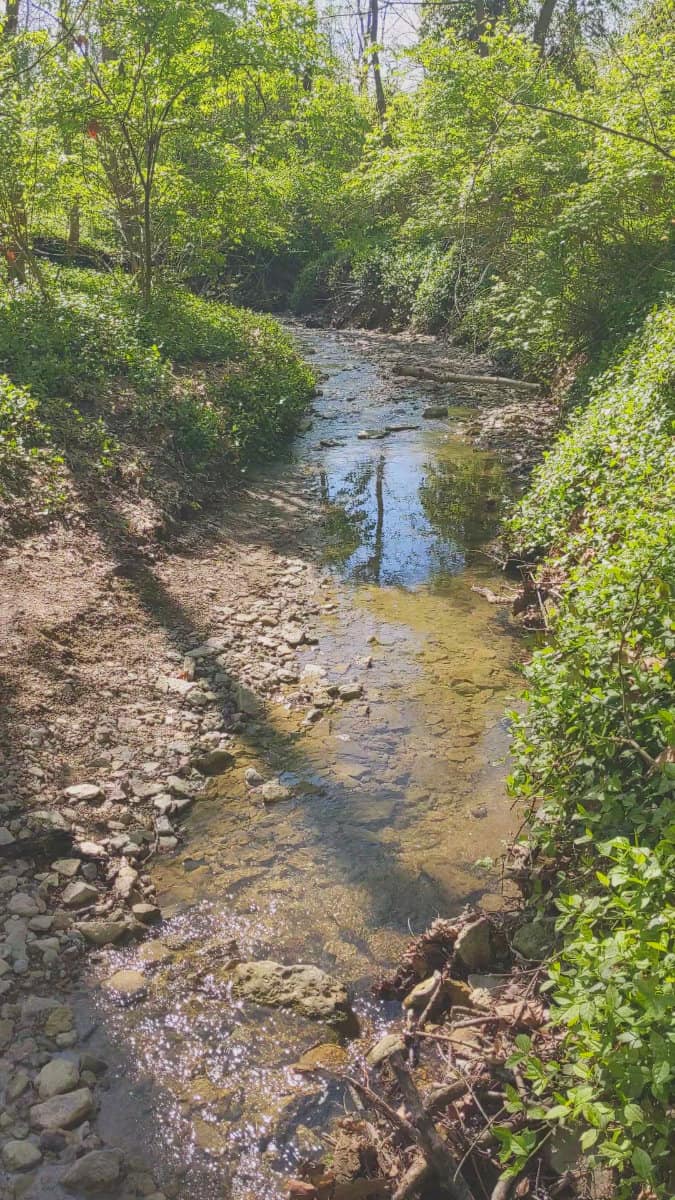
x: 10, y: 25
x: 74, y: 230
x: 543, y: 23
x: 147, y: 246
x: 373, y: 31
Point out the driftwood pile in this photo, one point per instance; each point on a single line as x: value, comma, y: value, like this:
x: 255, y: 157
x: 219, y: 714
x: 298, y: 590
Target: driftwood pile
x: 427, y: 1099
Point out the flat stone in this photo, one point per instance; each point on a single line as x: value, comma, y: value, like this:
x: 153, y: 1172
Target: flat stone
x: 6, y: 836
x: 303, y: 987
x: 147, y: 914
x: 94, y: 1172
x: 125, y: 882
x: 101, y: 933
x: 58, y: 1076
x: 127, y: 984
x: 63, y: 1112
x: 179, y: 687
x: 90, y: 793
x: 66, y: 866
x: 435, y: 410
x: 473, y: 945
x: 350, y: 691
x: 20, y: 1156
x: 79, y: 895
x: 154, y: 952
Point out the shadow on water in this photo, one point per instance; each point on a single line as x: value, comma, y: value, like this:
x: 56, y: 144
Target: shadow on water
x: 395, y: 795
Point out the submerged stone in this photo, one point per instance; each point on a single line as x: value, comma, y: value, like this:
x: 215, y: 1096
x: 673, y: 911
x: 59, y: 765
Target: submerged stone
x: 302, y: 986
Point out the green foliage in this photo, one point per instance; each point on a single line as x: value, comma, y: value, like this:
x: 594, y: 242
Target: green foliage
x: 199, y: 380
x: 594, y: 756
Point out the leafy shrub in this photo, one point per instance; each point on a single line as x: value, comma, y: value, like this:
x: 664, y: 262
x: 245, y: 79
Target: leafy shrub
x: 594, y: 756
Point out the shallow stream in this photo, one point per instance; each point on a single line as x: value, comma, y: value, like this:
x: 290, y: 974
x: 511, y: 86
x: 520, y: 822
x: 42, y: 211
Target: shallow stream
x: 399, y: 796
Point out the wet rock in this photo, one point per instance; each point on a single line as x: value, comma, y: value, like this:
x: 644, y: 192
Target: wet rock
x: 63, y: 1112
x: 435, y: 410
x: 79, y: 895
x: 94, y: 1172
x: 273, y: 792
x: 214, y: 762
x: 328, y: 1056
x: 60, y: 1020
x: 303, y: 987
x: 16, y: 1086
x: 20, y: 1156
x: 390, y: 1044
x: 90, y: 793
x: 102, y: 933
x: 52, y: 1141
x: 534, y: 940
x: 127, y: 984
x: 473, y: 945
x: 56, y: 1077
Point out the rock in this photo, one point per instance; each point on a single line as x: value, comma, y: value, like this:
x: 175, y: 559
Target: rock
x: 127, y: 984
x: 273, y: 792
x: 473, y: 945
x: 88, y: 792
x: 20, y: 1156
x: 177, y: 687
x: 214, y: 762
x: 419, y: 996
x: 125, y: 882
x: 253, y: 778
x: 66, y: 866
x: 303, y: 987
x: 101, y: 933
x: 56, y: 1077
x: 534, y: 940
x: 60, y: 1020
x: 63, y: 1112
x: 94, y: 1172
x: 147, y: 914
x: 6, y: 837
x: 16, y: 1086
x: 435, y: 410
x: 328, y: 1056
x: 390, y: 1044
x: 350, y: 691
x: 293, y: 635
x: 79, y: 895
x: 23, y: 905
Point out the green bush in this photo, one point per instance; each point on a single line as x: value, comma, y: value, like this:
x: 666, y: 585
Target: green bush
x: 594, y: 757
x: 24, y: 439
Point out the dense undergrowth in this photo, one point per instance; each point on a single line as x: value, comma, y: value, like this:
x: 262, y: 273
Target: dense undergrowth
x: 595, y: 760
x: 192, y: 386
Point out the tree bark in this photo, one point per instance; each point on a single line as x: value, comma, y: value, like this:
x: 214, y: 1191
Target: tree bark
x: 373, y: 31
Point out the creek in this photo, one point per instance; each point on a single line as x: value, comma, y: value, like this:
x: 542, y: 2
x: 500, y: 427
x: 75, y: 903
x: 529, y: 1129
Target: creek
x: 398, y: 797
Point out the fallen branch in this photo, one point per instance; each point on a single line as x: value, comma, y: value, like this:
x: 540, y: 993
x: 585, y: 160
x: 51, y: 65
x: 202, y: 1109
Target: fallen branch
x: 427, y: 1136
x: 460, y: 377
x: 492, y: 597
x: 414, y: 1179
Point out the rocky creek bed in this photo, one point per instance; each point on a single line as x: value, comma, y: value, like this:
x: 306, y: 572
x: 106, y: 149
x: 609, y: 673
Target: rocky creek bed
x: 236, y: 774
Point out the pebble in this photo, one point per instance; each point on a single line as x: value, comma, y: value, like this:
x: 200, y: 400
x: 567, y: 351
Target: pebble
x: 85, y: 792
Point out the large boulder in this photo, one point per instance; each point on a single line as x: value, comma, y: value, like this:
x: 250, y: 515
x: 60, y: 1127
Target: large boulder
x: 303, y: 987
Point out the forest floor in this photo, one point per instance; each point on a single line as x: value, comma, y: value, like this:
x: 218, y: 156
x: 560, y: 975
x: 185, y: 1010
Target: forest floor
x: 102, y: 723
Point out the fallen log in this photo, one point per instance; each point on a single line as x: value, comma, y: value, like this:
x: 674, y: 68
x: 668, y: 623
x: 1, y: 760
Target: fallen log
x: 460, y: 377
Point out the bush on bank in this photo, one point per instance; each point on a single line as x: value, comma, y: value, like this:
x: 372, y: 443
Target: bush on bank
x: 594, y: 759
x: 206, y: 384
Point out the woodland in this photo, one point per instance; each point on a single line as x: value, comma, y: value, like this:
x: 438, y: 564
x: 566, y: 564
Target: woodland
x: 499, y: 174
